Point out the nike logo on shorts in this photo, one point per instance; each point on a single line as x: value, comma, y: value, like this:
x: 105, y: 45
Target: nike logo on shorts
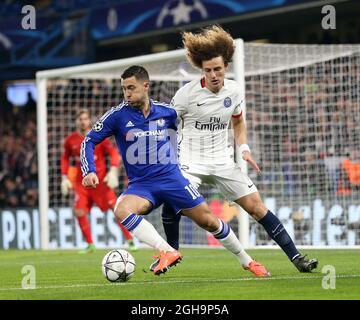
x: 200, y: 104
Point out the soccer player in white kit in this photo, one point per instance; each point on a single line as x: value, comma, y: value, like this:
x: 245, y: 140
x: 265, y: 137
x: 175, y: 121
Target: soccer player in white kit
x: 205, y: 108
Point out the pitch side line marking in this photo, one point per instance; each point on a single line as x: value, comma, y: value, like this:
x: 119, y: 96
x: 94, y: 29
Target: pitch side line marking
x: 180, y: 281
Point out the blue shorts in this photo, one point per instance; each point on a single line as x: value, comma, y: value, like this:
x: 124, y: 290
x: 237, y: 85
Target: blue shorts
x: 172, y: 188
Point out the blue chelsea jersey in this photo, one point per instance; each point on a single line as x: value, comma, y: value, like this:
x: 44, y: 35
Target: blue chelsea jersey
x: 148, y: 146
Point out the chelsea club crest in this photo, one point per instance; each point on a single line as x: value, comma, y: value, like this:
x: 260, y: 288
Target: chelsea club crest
x: 160, y: 122
x: 227, y: 102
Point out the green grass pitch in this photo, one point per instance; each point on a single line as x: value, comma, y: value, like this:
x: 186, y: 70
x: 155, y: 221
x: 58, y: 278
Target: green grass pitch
x: 203, y: 274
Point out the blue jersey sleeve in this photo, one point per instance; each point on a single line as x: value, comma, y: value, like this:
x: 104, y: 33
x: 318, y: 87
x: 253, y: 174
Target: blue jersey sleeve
x: 102, y: 129
x: 173, y: 120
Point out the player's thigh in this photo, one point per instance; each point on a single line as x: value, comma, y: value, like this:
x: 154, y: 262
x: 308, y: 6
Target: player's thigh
x: 168, y: 210
x: 203, y: 217
x: 177, y: 191
x: 234, y: 184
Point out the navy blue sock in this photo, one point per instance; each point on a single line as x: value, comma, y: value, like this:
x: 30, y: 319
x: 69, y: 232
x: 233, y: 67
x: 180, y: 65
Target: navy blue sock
x: 277, y: 232
x: 171, y: 222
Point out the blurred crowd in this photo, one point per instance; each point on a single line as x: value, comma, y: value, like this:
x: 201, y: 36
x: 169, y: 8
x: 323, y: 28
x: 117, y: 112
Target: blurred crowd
x: 18, y: 155
x: 305, y: 126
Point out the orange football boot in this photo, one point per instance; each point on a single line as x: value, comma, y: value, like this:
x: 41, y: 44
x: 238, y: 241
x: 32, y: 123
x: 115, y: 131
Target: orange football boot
x: 258, y: 269
x: 167, y: 260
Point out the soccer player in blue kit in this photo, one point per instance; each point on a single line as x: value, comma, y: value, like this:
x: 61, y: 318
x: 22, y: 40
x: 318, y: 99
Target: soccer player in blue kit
x: 146, y: 135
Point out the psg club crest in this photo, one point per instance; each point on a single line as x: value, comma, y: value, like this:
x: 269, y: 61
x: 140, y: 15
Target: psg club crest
x: 98, y: 126
x: 172, y: 102
x: 160, y: 122
x: 227, y: 102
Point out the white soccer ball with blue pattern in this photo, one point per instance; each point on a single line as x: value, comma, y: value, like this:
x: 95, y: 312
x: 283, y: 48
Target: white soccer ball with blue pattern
x: 118, y: 266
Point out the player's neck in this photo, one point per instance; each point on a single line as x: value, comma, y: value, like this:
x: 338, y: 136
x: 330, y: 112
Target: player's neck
x: 145, y: 108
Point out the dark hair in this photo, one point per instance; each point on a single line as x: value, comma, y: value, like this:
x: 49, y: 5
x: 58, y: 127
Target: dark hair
x: 138, y: 72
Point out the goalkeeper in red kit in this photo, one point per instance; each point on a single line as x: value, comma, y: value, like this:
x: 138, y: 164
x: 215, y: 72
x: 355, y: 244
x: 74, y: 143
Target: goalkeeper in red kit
x: 103, y: 196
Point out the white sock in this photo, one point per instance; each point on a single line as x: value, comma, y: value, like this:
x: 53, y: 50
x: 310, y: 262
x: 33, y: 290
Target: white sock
x: 232, y: 243
x: 145, y: 232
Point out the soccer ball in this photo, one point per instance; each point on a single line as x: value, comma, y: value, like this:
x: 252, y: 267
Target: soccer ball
x: 118, y: 265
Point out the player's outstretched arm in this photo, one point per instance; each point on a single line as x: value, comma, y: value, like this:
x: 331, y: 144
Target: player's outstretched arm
x: 247, y: 157
x: 241, y: 139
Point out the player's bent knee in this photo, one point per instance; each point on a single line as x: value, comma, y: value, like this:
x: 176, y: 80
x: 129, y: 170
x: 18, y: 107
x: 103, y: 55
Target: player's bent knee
x: 126, y: 206
x: 258, y: 210
x: 211, y: 226
x: 253, y: 205
x: 122, y: 212
x: 203, y: 217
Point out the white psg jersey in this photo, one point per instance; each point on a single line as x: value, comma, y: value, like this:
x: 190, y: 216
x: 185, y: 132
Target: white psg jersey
x: 204, y: 122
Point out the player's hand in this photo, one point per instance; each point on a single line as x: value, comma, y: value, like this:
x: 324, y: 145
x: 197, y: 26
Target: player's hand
x: 91, y: 180
x: 112, y: 179
x: 66, y: 185
x: 246, y: 155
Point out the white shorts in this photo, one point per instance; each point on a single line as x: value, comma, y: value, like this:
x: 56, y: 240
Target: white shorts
x: 230, y: 180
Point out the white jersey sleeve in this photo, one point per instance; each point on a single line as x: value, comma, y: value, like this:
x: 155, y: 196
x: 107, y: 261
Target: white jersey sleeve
x: 180, y: 101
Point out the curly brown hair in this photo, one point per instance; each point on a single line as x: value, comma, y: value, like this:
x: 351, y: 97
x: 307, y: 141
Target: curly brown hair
x: 210, y: 43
